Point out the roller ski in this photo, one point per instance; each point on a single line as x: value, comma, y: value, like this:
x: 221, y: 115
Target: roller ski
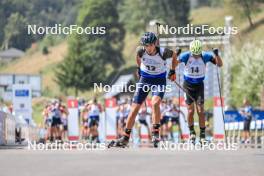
x: 192, y: 137
x: 155, y: 135
x: 155, y: 140
x: 203, y: 141
x: 120, y: 143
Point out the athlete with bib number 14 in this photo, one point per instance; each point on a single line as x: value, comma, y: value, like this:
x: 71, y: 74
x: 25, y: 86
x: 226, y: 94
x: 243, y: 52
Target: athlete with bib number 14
x: 195, y: 62
x: 151, y: 61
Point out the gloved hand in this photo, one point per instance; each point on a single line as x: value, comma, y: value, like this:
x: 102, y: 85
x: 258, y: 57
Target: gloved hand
x: 215, y: 51
x: 172, y: 75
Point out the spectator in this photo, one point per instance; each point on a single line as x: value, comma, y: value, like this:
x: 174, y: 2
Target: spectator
x: 246, y: 112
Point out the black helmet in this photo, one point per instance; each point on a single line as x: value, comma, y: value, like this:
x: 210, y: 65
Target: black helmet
x: 148, y: 38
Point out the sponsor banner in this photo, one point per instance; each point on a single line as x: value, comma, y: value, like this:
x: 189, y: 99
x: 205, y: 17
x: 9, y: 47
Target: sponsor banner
x: 73, y: 120
x: 219, y: 128
x: 22, y: 101
x: 183, y: 119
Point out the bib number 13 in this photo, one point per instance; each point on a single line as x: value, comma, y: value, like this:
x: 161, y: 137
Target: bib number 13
x: 151, y: 68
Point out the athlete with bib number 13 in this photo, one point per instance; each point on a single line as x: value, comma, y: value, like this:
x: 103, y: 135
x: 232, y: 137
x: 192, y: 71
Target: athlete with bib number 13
x: 195, y: 62
x: 151, y: 62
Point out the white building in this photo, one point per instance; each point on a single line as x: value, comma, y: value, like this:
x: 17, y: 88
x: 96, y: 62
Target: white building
x: 8, y: 80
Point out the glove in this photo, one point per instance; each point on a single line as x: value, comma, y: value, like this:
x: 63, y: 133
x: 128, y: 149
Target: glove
x: 178, y: 51
x: 172, y: 75
x: 215, y: 51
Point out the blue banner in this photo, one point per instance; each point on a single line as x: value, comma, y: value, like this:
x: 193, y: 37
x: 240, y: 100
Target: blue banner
x: 22, y: 93
x: 235, y: 116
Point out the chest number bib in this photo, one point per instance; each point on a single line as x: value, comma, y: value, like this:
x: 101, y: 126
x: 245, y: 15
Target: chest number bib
x: 150, y: 67
x: 153, y: 64
x: 195, y: 68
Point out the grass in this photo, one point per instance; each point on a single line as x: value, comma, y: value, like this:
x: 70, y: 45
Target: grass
x: 38, y: 106
x: 35, y: 63
x: 200, y: 16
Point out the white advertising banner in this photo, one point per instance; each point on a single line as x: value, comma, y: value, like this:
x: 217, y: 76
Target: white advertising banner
x: 219, y: 130
x: 110, y: 118
x: 73, y: 120
x: 183, y: 119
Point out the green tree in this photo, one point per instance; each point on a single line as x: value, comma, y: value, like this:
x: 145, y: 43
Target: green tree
x: 89, y: 54
x: 136, y: 14
x: 3, y: 19
x: 69, y: 72
x: 247, y: 7
x: 37, y: 12
x: 15, y: 32
x: 248, y: 71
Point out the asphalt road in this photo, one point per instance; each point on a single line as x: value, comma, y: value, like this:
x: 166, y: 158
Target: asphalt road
x: 131, y: 161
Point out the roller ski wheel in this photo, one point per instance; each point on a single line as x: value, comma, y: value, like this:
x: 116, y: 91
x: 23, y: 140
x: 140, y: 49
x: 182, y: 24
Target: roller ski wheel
x: 192, y: 139
x: 119, y: 143
x: 203, y: 141
x: 155, y: 140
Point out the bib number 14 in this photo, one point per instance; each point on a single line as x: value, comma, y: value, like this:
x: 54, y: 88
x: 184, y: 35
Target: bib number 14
x: 195, y: 69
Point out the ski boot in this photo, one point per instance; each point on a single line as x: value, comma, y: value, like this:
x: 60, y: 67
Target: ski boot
x: 155, y: 140
x: 121, y: 142
x: 192, y: 137
x: 155, y: 135
x: 202, y: 136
